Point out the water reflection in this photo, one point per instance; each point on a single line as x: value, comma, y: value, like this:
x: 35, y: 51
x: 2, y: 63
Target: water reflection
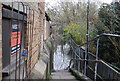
x: 61, y: 58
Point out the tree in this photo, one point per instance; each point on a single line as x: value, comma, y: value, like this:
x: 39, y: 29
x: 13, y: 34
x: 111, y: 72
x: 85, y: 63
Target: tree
x: 72, y: 18
x: 108, y: 22
x: 78, y: 32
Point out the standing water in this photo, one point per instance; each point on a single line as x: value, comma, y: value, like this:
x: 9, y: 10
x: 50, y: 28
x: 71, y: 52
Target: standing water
x: 61, y: 57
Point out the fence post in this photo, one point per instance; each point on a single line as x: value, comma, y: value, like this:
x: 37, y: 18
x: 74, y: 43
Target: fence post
x: 73, y: 57
x: 96, y: 64
x: 79, y: 61
x: 86, y: 58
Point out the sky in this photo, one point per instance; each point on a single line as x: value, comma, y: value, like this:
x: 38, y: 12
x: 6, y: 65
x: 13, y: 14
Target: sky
x: 107, y: 1
x: 54, y: 2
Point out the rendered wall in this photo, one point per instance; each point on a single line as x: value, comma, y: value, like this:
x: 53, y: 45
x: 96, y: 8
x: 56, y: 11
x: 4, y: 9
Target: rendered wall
x: 0, y: 41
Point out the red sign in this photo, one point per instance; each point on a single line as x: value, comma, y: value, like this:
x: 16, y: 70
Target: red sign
x: 15, y: 38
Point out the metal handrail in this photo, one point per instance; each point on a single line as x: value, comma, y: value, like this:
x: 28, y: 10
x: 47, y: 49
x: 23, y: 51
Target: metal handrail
x: 82, y: 60
x: 96, y: 60
x: 98, y: 36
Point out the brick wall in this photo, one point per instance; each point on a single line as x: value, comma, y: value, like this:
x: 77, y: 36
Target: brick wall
x: 46, y: 30
x: 34, y: 41
x: 34, y: 33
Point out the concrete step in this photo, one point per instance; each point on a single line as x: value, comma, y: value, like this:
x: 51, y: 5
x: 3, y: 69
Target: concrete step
x: 63, y: 74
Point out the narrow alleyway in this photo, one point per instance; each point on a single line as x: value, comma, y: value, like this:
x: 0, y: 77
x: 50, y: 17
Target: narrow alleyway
x: 64, y: 42
x: 61, y: 62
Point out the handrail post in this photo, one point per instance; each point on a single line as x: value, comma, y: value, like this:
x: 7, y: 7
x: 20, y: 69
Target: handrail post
x: 86, y: 55
x: 79, y: 60
x: 75, y: 59
x: 87, y: 35
x: 96, y: 64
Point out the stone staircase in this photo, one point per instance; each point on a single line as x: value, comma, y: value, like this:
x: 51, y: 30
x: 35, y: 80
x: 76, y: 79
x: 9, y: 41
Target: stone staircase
x: 64, y: 75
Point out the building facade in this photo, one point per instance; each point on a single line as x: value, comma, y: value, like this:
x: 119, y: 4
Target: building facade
x: 21, y: 37
x: 47, y: 27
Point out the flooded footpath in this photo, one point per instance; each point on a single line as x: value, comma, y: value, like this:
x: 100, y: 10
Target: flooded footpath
x: 61, y: 57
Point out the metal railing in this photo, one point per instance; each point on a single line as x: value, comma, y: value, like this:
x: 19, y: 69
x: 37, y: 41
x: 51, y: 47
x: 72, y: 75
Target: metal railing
x: 96, y: 68
x: 22, y: 71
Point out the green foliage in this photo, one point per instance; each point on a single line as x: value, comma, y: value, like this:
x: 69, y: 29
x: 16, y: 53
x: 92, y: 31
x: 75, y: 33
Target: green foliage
x: 109, y: 22
x: 78, y: 32
x: 66, y: 36
x: 72, y: 19
x: 110, y: 16
x: 74, y: 12
x: 116, y: 64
